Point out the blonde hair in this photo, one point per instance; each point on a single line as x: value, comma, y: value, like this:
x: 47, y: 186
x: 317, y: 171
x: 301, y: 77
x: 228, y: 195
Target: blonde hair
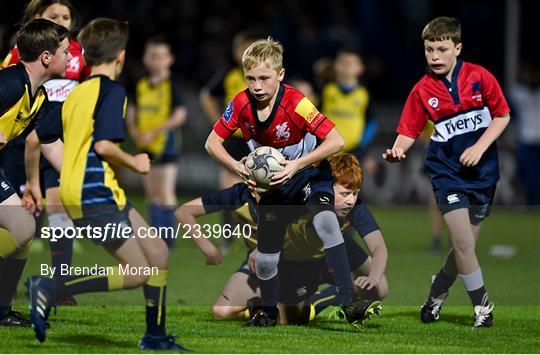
x: 266, y: 51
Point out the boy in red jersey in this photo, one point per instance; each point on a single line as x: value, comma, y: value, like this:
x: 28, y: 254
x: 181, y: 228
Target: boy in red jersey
x: 270, y: 113
x: 469, y: 111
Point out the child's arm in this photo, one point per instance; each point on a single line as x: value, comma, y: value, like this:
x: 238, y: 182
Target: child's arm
x: 214, y: 147
x: 379, y: 255
x: 186, y: 215
x: 401, y: 146
x: 113, y: 154
x: 472, y: 155
x: 176, y: 119
x: 331, y: 144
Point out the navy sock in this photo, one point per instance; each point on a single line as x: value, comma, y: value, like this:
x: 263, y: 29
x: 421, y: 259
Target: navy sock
x: 169, y: 220
x: 155, y: 215
x: 269, y: 295
x: 441, y: 284
x: 61, y: 252
x: 338, y: 267
x: 325, y: 298
x: 476, y: 296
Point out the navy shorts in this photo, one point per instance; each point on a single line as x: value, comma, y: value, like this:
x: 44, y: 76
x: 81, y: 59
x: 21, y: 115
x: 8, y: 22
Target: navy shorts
x: 106, y: 228
x: 50, y: 178
x: 6, y: 189
x: 13, y: 163
x: 478, y: 201
x: 299, y: 280
x: 236, y: 147
x: 169, y: 155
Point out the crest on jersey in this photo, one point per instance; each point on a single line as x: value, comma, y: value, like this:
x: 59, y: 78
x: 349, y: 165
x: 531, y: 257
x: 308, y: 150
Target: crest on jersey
x: 228, y: 112
x: 433, y: 102
x: 282, y: 131
x: 476, y: 91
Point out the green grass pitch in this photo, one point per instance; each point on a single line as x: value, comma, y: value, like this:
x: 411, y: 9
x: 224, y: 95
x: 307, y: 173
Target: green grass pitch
x: 114, y: 322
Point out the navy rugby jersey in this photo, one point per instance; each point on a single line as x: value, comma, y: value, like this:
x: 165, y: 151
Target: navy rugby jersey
x: 461, y: 111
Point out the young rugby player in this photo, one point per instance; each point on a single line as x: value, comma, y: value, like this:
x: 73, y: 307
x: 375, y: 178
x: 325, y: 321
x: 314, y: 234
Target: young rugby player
x: 44, y: 52
x: 469, y: 111
x: 270, y: 113
x: 93, y: 125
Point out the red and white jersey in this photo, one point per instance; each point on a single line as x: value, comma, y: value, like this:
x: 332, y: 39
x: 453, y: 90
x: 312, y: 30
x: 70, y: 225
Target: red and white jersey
x: 76, y: 71
x: 292, y: 127
x: 461, y: 110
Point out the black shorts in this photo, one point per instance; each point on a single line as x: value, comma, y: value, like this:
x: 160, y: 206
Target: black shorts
x: 236, y: 147
x: 478, y: 201
x: 50, y: 178
x: 106, y: 228
x: 299, y: 280
x: 13, y: 163
x: 6, y: 189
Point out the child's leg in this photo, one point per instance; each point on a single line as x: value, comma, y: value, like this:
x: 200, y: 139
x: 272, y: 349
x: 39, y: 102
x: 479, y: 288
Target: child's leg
x: 155, y: 288
x: 17, y: 228
x: 463, y: 242
x: 270, y: 235
x: 232, y: 302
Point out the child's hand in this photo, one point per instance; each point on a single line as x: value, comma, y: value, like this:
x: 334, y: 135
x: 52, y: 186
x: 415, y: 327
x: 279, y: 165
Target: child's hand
x: 32, y: 199
x: 471, y: 156
x: 144, y: 139
x: 213, y: 257
x: 394, y: 155
x: 365, y: 282
x: 142, y: 163
x: 281, y: 178
x: 241, y: 170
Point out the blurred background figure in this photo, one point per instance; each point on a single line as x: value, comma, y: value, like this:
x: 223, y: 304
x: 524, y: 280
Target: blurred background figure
x: 525, y: 97
x: 346, y: 101
x: 157, y: 110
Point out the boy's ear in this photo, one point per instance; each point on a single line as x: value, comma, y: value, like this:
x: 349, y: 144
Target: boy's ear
x: 45, y: 58
x: 281, y: 74
x: 459, y: 46
x: 121, y: 56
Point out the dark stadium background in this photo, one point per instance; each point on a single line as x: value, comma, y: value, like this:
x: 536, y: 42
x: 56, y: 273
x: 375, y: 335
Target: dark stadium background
x: 386, y: 32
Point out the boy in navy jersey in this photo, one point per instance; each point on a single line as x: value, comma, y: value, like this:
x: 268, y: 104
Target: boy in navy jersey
x: 469, y: 111
x: 270, y: 113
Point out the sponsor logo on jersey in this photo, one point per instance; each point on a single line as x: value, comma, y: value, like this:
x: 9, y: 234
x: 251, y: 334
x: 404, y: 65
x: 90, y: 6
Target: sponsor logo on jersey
x: 4, y: 186
x: 301, y: 291
x: 282, y: 131
x: 461, y: 124
x: 476, y: 91
x: 306, y: 109
x: 453, y: 198
x: 433, y: 102
x: 324, y: 200
x: 228, y: 112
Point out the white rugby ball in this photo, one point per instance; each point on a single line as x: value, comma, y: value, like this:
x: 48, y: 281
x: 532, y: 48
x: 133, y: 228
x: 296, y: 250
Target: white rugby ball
x: 263, y: 164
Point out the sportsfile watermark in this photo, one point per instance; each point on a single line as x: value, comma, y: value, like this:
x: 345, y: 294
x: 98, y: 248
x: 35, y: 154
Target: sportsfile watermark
x: 117, y: 231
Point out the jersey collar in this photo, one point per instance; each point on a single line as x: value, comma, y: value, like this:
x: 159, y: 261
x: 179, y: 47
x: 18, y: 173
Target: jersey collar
x: 452, y: 86
x: 253, y: 101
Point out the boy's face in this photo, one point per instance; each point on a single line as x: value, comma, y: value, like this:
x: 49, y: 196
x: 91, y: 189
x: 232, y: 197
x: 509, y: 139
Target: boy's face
x: 157, y: 58
x: 441, y: 56
x: 263, y: 81
x: 59, y: 14
x: 348, y: 66
x: 344, y: 199
x: 57, y: 62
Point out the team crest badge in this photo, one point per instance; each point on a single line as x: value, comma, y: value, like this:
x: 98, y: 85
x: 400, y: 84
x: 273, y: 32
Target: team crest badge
x: 433, y: 102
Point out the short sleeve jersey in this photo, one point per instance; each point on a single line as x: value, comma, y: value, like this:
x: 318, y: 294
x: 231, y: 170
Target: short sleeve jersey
x: 94, y: 111
x: 155, y: 103
x: 18, y: 107
x: 293, y: 127
x: 303, y: 243
x: 349, y: 110
x: 461, y: 110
